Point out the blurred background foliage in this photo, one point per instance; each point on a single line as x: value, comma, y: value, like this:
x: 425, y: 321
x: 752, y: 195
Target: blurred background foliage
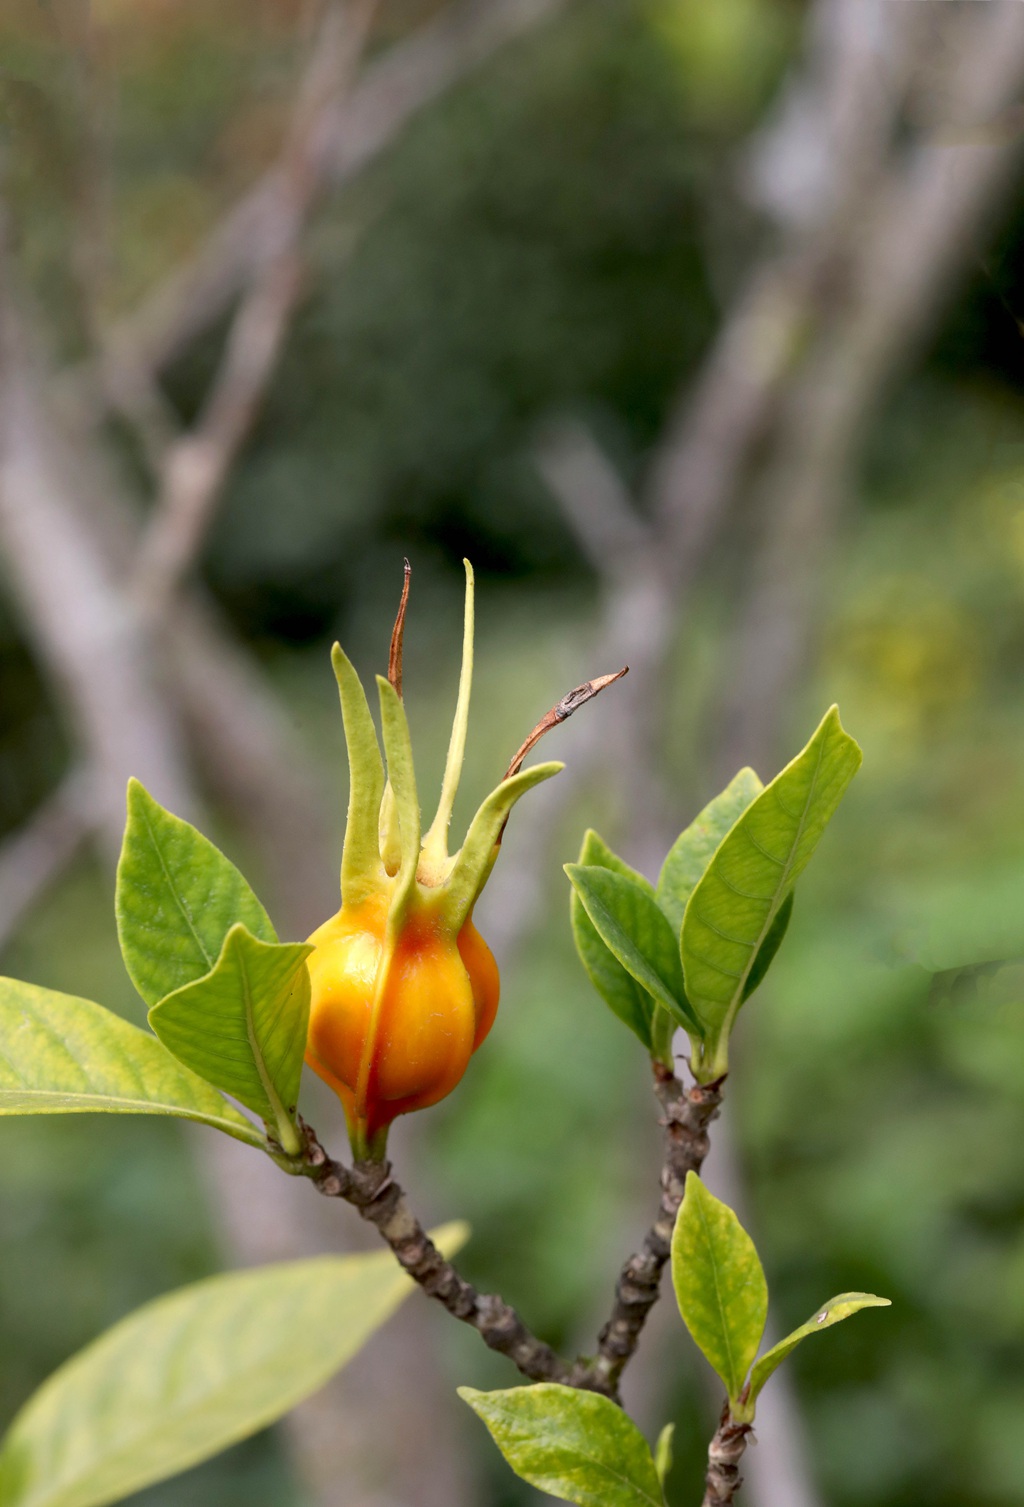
x: 559, y: 234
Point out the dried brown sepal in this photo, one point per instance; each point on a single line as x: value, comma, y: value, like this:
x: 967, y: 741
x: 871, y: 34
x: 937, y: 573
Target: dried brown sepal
x: 570, y: 702
x: 398, y: 635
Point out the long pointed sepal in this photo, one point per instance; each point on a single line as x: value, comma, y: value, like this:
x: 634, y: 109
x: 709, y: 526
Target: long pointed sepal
x: 435, y: 844
x: 402, y: 779
x: 476, y: 859
x: 361, y: 872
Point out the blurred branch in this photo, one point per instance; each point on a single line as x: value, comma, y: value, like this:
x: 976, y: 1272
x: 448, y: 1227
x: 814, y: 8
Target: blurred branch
x: 347, y: 139
x: 34, y: 857
x: 195, y: 466
x: 594, y: 498
x: 926, y: 217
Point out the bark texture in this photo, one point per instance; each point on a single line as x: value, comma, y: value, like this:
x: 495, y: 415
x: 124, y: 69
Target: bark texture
x: 725, y: 1451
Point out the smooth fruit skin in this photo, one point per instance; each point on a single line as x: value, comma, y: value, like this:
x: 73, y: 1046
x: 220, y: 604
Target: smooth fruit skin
x: 436, y: 1004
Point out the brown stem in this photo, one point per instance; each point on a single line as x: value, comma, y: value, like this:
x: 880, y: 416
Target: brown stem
x: 686, y: 1114
x: 371, y: 1189
x: 725, y: 1451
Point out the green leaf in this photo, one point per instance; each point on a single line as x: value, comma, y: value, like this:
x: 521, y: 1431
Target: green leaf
x: 732, y: 910
x: 361, y: 868
x: 832, y: 1312
x: 629, y: 922
x: 769, y: 947
x: 177, y: 898
x: 577, y: 1446
x: 61, y: 1055
x: 719, y: 1283
x: 243, y: 1027
x: 693, y: 850
x: 619, y: 989
x: 187, y: 1375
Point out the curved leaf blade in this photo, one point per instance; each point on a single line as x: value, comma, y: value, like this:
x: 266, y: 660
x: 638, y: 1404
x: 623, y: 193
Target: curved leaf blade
x: 187, y: 1375
x: 62, y: 1055
x: 694, y: 849
x: 619, y: 989
x: 720, y: 1284
x: 177, y: 898
x: 633, y: 928
x: 243, y: 1027
x: 577, y: 1446
x: 833, y: 1312
x: 732, y: 909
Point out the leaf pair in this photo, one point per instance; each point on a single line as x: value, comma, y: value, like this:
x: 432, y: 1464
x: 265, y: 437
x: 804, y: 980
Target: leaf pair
x: 723, y: 1298
x: 226, y: 998
x: 229, y: 1003
x: 627, y: 946
x: 581, y: 1447
x: 193, y: 1372
x: 691, y: 950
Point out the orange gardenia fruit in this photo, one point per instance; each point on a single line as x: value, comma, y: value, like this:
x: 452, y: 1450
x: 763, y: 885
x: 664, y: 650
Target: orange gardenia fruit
x: 404, y: 988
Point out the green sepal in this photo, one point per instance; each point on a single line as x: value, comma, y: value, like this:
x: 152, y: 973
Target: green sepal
x: 630, y: 923
x: 720, y: 1285
x: 435, y: 843
x: 574, y: 1445
x: 177, y: 897
x: 833, y: 1312
x: 402, y: 779
x: 361, y: 868
x: 694, y: 848
x: 475, y: 859
x: 243, y: 1027
x: 626, y: 999
x: 733, y: 908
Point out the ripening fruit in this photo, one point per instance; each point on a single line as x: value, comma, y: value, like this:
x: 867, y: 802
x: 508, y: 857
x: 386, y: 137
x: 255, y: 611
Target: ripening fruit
x: 437, y: 1002
x: 404, y: 988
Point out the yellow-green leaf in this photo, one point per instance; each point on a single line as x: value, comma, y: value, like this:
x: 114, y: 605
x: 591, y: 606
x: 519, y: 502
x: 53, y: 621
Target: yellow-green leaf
x: 734, y: 906
x: 577, y: 1446
x: 832, y: 1312
x: 719, y: 1283
x: 630, y: 923
x: 62, y: 1055
x: 243, y: 1027
x: 620, y: 991
x: 177, y: 898
x: 694, y: 848
x: 187, y: 1375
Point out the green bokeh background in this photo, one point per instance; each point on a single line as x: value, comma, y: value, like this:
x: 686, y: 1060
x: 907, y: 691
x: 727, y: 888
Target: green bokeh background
x: 557, y: 235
